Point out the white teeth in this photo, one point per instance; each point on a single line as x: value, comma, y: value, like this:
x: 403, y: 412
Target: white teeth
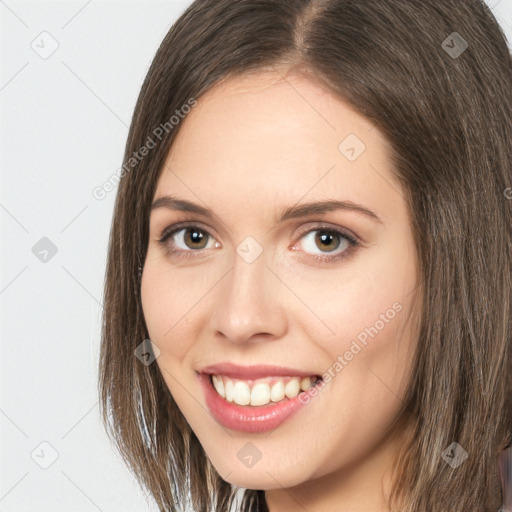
x: 219, y: 385
x: 260, y: 392
x: 277, y: 392
x: 305, y: 383
x: 242, y: 394
x: 292, y: 388
x: 230, y: 390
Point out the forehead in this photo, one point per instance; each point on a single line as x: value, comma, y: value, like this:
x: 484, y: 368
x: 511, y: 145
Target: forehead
x: 274, y: 138
x: 257, y: 109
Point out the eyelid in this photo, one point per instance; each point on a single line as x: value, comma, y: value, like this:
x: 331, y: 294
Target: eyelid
x: 354, y: 242
x: 325, y: 226
x: 185, y: 224
x: 301, y: 231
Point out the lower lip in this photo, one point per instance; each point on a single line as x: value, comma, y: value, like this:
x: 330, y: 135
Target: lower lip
x: 246, y: 418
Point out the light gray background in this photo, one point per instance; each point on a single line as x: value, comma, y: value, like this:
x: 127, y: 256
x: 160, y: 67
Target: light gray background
x: 64, y: 121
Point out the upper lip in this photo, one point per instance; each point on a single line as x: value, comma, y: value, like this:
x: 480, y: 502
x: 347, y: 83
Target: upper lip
x: 256, y: 371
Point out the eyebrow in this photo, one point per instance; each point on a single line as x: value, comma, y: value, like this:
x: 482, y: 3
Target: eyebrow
x: 292, y: 212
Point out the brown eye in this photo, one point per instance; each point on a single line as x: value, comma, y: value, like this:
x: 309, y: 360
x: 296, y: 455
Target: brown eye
x: 327, y: 240
x: 185, y: 240
x: 194, y: 237
x: 323, y: 241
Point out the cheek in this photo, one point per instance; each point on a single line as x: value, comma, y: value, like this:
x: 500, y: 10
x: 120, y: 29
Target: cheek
x: 365, y: 301
x: 365, y: 329
x: 167, y: 303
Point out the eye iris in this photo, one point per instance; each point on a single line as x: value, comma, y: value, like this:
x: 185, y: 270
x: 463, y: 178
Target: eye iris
x: 196, y: 236
x: 325, y: 236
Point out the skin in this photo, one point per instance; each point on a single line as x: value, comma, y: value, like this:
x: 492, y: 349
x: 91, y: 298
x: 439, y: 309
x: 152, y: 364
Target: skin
x: 250, y: 148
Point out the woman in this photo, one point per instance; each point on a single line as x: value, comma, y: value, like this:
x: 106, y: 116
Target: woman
x: 245, y: 367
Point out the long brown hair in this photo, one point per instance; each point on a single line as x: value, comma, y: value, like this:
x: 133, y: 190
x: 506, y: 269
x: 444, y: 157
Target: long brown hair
x: 435, y: 77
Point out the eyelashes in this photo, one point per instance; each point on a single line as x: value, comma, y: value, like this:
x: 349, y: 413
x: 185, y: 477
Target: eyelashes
x: 325, y: 235
x: 183, y: 233
x: 167, y: 239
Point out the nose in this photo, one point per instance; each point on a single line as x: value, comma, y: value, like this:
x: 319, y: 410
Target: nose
x: 249, y: 303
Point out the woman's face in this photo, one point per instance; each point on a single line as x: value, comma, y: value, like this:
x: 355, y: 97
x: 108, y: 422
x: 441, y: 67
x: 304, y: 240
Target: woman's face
x: 241, y: 285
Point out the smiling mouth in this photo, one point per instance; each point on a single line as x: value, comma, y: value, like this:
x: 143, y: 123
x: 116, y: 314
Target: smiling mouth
x: 261, y: 392
x: 245, y: 405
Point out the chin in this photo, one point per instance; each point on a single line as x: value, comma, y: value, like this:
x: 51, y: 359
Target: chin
x: 260, y: 477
